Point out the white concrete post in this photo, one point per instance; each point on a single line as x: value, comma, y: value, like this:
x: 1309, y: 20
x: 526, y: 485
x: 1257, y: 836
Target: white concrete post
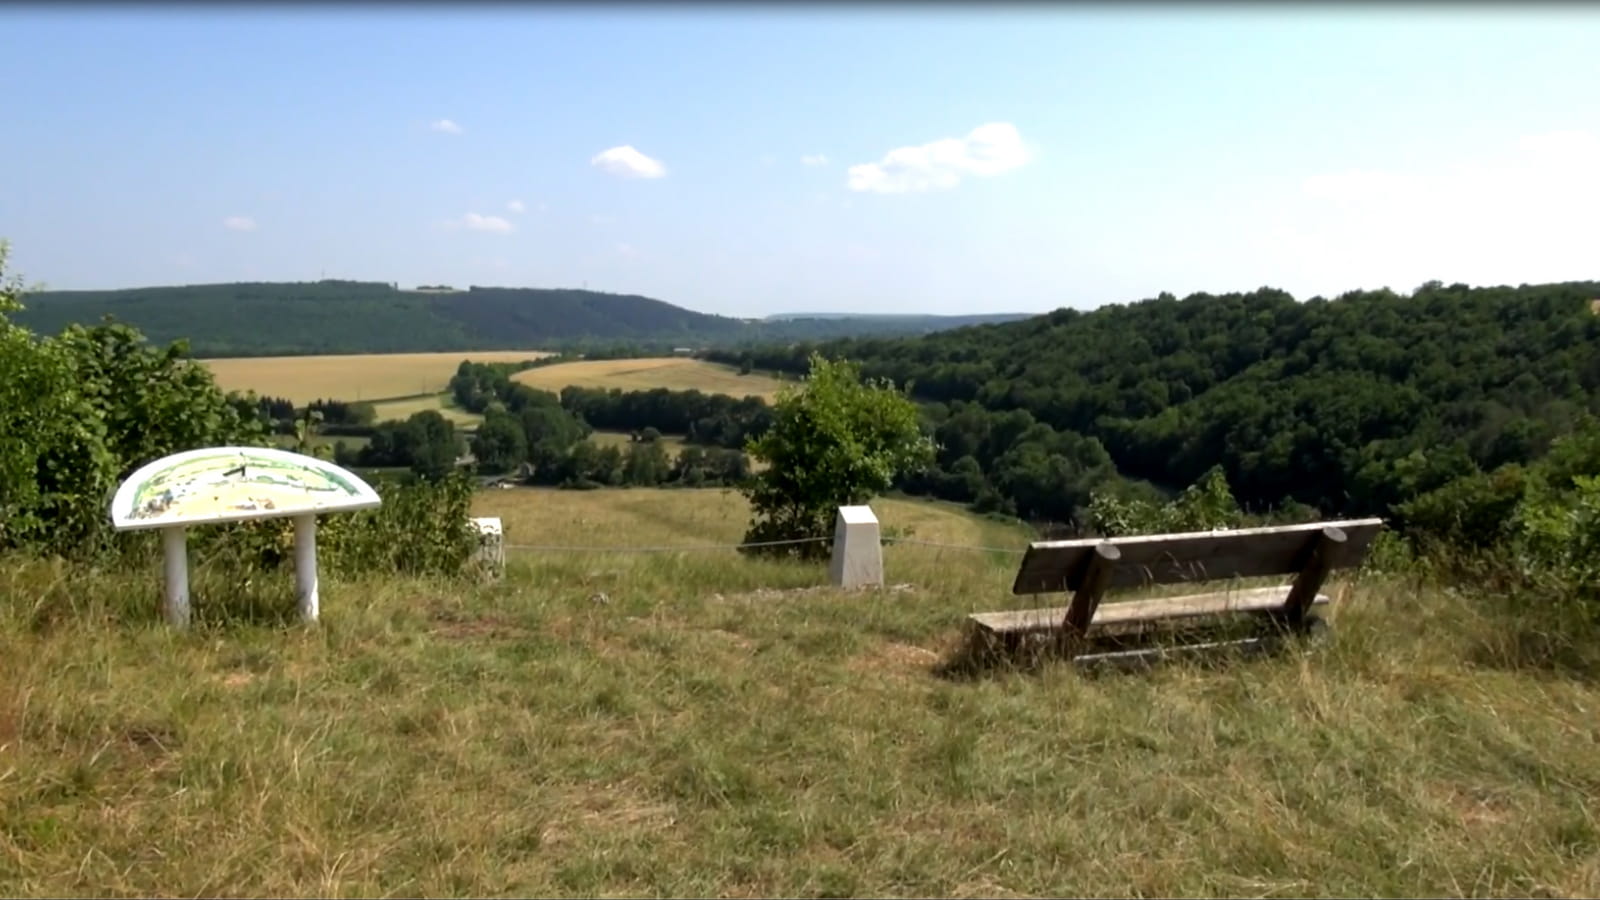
x: 174, y: 544
x: 490, y: 556
x: 857, y: 549
x: 305, y: 565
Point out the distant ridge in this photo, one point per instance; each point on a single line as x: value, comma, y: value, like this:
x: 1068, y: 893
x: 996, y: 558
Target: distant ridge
x: 950, y: 321
x: 338, y: 316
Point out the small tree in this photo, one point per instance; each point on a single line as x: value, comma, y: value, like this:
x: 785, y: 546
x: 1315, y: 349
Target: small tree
x: 834, y: 441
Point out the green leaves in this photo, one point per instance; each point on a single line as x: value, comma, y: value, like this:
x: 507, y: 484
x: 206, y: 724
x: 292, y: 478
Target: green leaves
x: 85, y: 408
x: 834, y: 441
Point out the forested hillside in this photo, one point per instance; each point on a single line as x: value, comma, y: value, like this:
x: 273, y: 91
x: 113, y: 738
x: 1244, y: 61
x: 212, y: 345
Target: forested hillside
x: 1349, y: 405
x: 303, y: 318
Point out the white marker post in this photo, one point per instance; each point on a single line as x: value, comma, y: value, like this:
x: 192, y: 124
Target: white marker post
x: 174, y: 545
x: 857, y: 550
x: 236, y: 484
x: 305, y: 565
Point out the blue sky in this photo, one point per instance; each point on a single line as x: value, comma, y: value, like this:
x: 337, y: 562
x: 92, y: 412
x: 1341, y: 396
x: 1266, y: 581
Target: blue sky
x: 756, y: 159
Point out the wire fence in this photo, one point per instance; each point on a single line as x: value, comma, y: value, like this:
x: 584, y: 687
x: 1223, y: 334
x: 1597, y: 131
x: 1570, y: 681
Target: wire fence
x: 683, y: 548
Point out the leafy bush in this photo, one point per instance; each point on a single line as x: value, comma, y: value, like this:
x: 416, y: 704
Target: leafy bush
x: 836, y: 441
x: 1205, y: 505
x: 94, y: 404
x: 1474, y: 512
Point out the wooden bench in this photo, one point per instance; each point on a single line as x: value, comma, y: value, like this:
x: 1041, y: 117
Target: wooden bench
x: 1089, y: 568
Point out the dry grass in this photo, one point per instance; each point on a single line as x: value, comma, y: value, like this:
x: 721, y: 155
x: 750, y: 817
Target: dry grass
x: 698, y: 723
x: 672, y: 443
x: 302, y: 379
x: 673, y: 373
x: 405, y: 407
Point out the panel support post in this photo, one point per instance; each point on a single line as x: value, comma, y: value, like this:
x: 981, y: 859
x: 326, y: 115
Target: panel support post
x: 857, y: 549
x: 175, y: 550
x: 1324, y: 551
x: 1091, y: 587
x: 305, y: 565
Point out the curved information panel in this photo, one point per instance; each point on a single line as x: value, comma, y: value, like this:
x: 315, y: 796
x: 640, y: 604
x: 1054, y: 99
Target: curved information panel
x: 235, y: 484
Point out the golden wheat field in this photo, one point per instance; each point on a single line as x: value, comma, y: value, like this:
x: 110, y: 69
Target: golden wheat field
x: 673, y: 373
x: 302, y: 379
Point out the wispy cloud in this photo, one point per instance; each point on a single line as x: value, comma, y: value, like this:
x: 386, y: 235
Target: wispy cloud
x: 815, y: 160
x: 445, y: 126
x: 239, y: 223
x: 626, y: 162
x: 517, y: 206
x: 475, y: 222
x: 986, y: 151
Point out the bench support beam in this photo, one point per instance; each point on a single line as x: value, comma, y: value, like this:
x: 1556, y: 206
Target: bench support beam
x: 1091, y: 588
x: 1319, y: 562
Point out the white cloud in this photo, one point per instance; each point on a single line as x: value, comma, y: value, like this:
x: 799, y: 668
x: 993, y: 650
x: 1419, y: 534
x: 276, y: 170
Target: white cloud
x: 817, y: 160
x: 986, y: 151
x: 517, y: 206
x: 445, y: 126
x: 474, y: 222
x: 626, y: 162
x: 1519, y: 214
x: 239, y: 223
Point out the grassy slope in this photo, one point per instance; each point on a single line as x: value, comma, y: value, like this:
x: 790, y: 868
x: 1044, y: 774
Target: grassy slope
x: 673, y: 373
x: 710, y: 729
x: 620, y: 439
x: 406, y: 407
x: 302, y: 379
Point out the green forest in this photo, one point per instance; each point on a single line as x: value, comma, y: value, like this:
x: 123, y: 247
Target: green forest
x: 334, y: 316
x: 1347, y: 406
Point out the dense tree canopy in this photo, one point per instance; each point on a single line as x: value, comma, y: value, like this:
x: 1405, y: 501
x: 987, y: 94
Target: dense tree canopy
x: 1348, y: 405
x: 337, y: 316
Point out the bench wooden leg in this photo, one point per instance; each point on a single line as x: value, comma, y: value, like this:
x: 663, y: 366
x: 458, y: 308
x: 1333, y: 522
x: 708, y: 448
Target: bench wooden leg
x: 1091, y: 588
x: 1319, y: 562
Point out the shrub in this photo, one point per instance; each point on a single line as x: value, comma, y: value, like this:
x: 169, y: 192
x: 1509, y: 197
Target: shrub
x: 836, y: 441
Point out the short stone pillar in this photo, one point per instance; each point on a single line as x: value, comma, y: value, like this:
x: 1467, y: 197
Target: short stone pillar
x: 490, y: 556
x: 857, y: 549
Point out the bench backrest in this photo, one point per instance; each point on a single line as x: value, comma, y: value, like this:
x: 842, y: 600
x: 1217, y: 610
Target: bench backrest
x: 1051, y: 566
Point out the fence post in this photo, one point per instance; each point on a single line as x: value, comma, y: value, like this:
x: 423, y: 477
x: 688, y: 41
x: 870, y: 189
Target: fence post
x: 857, y: 549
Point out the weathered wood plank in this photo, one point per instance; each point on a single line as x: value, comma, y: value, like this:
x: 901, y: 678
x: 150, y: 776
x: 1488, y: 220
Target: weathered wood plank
x: 1102, y: 564
x: 1059, y: 566
x: 1326, y: 546
x: 1127, y: 612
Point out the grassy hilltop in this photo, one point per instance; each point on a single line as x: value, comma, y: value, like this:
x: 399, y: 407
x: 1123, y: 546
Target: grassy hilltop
x: 699, y: 723
x: 355, y: 317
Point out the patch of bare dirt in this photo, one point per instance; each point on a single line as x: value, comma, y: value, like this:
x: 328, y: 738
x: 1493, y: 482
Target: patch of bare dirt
x: 606, y: 808
x: 458, y: 627
x: 896, y: 659
x: 1475, y: 808
x: 771, y: 594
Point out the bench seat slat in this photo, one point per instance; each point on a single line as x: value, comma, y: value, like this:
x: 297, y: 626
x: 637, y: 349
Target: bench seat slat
x: 1127, y: 612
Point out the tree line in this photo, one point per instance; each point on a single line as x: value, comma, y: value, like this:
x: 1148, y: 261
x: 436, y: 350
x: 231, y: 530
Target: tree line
x: 341, y: 316
x: 544, y: 438
x: 1344, y: 406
